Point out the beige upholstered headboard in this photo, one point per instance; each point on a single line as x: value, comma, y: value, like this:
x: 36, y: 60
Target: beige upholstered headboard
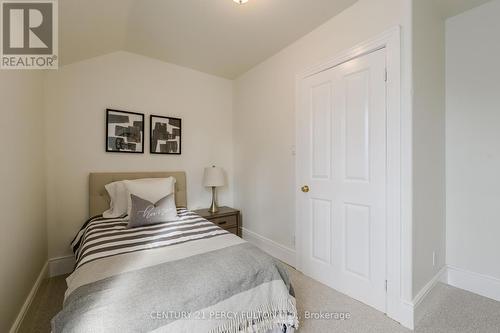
x: 99, y: 199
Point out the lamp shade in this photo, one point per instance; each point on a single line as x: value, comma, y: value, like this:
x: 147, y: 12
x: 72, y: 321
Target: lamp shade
x: 213, y: 177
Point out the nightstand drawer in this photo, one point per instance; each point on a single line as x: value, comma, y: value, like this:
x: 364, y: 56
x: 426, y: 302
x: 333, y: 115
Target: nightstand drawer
x: 225, y: 222
x: 233, y: 231
x: 226, y: 217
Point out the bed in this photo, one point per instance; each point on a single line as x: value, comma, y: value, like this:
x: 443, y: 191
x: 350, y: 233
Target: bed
x: 183, y: 276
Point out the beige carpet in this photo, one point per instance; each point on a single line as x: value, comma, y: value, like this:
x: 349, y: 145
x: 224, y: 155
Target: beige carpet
x: 451, y: 310
x: 47, y: 303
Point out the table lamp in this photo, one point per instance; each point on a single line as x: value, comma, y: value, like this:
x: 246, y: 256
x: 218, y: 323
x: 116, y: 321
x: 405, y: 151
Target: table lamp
x: 213, y: 177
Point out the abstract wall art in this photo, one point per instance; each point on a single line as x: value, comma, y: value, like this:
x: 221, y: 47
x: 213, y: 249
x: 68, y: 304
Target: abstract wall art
x: 124, y: 132
x: 166, y: 135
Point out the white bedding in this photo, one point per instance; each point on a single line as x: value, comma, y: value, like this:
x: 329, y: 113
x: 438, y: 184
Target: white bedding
x: 107, y: 251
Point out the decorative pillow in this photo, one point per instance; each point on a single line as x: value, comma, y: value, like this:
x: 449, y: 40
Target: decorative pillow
x: 150, y: 189
x: 119, y: 200
x: 145, y: 212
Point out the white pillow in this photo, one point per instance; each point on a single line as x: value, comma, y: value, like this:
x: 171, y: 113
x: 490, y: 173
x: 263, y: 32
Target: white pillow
x: 119, y: 200
x: 150, y: 189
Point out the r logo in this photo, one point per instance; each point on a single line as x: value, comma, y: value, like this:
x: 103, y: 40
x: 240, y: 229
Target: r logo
x: 27, y: 28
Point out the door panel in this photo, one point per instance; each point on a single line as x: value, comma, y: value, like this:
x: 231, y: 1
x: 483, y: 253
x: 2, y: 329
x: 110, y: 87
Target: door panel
x: 357, y: 240
x: 321, y: 224
x: 321, y: 130
x: 357, y: 126
x: 341, y: 152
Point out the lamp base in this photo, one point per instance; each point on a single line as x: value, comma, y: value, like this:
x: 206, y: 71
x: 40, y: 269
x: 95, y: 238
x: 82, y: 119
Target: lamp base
x: 213, y: 207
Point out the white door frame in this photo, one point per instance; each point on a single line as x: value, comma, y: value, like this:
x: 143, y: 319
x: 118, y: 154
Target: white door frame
x: 398, y: 236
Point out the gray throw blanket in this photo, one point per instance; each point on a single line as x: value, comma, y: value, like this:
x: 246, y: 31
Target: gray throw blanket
x: 234, y: 289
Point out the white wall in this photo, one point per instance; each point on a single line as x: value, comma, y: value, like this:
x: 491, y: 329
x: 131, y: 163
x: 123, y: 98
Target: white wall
x: 23, y: 239
x: 473, y: 140
x: 264, y: 116
x: 429, y: 224
x: 76, y: 98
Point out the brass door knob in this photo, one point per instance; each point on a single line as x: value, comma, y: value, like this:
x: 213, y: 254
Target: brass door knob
x: 305, y: 188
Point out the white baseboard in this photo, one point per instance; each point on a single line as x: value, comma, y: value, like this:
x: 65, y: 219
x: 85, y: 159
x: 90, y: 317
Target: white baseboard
x: 484, y: 285
x: 410, y: 312
x: 29, y: 299
x: 274, y: 249
x: 480, y: 284
x: 419, y: 304
x: 405, y: 315
x: 61, y: 265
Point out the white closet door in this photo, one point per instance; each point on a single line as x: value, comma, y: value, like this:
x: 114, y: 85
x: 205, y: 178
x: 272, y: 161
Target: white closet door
x: 341, y: 156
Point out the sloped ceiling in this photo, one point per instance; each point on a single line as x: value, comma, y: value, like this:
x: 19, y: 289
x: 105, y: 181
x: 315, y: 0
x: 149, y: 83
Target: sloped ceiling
x: 218, y: 37
x: 451, y: 8
x: 88, y: 28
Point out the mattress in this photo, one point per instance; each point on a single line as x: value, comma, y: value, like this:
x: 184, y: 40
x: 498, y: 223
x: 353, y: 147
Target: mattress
x: 183, y: 276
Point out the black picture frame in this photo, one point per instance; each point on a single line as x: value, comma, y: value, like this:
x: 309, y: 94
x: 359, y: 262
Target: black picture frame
x: 129, y: 135
x: 162, y: 134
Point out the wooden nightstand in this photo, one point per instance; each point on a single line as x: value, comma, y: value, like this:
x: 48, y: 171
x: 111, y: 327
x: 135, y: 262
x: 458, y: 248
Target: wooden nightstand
x: 227, y: 218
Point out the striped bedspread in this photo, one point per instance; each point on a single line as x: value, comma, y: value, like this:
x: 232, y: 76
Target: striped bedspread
x: 184, y: 276
x: 100, y: 237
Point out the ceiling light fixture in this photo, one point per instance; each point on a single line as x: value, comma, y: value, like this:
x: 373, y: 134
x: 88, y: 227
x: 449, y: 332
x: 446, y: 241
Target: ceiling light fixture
x: 241, y: 2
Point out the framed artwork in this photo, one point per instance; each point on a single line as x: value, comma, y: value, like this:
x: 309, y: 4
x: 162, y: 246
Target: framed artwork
x: 166, y: 135
x: 124, y: 132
